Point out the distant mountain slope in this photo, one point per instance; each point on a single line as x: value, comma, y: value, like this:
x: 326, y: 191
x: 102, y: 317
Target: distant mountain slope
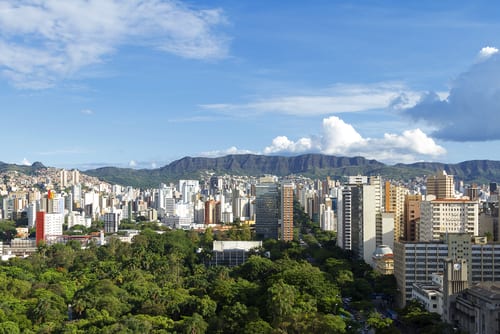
x: 245, y: 164
x: 4, y: 167
x: 313, y: 165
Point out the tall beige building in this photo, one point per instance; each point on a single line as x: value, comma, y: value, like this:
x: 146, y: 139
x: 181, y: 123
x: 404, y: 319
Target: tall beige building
x: 287, y: 211
x: 395, y: 203
x: 412, y: 217
x: 441, y: 185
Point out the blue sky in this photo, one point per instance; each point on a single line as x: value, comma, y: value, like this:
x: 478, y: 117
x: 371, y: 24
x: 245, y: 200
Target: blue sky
x: 139, y: 84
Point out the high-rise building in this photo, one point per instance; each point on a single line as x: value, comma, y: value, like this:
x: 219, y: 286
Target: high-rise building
x: 63, y: 178
x: 357, y: 228
x: 287, y: 211
x: 328, y: 222
x: 112, y: 221
x: 188, y: 189
x: 31, y: 214
x: 210, y: 212
x: 267, y: 210
x: 448, y: 216
x: 441, y: 185
x: 412, y: 217
x: 48, y: 226
x: 395, y: 203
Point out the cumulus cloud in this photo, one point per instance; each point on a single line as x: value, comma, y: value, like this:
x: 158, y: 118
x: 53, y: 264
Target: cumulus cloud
x: 231, y: 150
x: 340, y: 98
x: 132, y: 163
x: 470, y: 111
x: 283, y: 144
x: 25, y: 162
x: 44, y: 41
x: 487, y: 52
x: 340, y: 138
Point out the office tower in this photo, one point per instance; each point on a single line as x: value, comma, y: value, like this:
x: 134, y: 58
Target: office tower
x: 76, y: 191
x: 357, y: 179
x: 395, y: 203
x: 75, y: 176
x: 357, y: 223
x: 287, y: 211
x: 112, y: 221
x: 473, y: 192
x: 188, y: 189
x: 493, y: 188
x: 48, y: 226
x: 267, y: 210
x: 210, y: 212
x: 412, y: 217
x: 328, y: 221
x: 31, y: 214
x: 448, y: 216
x: 441, y: 185
x: 215, y: 185
x: 68, y: 202
x: 63, y: 178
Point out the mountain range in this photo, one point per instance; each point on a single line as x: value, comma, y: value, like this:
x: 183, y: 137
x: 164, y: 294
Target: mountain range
x: 310, y: 165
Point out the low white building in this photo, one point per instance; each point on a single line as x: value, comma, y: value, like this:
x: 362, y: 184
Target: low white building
x: 430, y: 294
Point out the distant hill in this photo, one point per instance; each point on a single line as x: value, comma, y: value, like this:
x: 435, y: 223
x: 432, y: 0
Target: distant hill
x: 25, y: 169
x: 312, y: 165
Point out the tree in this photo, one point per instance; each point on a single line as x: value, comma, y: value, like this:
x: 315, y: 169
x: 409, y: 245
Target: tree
x: 194, y: 324
x: 280, y: 302
x: 257, y: 327
x: 7, y: 230
x: 9, y: 327
x: 377, y: 322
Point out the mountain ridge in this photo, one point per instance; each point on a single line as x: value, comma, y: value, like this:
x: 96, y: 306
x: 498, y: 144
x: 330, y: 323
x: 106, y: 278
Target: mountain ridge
x: 311, y: 165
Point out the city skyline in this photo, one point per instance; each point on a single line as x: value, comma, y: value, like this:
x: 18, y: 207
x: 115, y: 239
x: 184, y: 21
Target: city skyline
x: 143, y: 83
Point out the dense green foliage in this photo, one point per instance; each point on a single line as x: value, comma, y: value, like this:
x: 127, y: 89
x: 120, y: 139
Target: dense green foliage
x: 159, y: 284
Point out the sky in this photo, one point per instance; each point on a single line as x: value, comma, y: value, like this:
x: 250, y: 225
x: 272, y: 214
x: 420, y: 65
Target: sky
x: 141, y: 83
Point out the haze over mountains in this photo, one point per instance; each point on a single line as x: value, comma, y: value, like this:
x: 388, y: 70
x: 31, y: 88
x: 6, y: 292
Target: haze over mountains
x: 310, y: 165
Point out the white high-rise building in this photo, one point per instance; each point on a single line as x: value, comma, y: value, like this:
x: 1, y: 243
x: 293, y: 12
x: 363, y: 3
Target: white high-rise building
x: 448, y: 216
x: 327, y: 222
x: 188, y: 189
x: 361, y: 227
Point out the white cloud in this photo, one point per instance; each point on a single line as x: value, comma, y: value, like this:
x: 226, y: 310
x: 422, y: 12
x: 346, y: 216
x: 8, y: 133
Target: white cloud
x: 340, y: 98
x: 282, y: 143
x: 44, y: 41
x: 154, y: 165
x: 132, y: 163
x: 231, y: 150
x: 87, y: 112
x: 25, y: 162
x: 470, y: 111
x: 487, y: 52
x: 340, y: 138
